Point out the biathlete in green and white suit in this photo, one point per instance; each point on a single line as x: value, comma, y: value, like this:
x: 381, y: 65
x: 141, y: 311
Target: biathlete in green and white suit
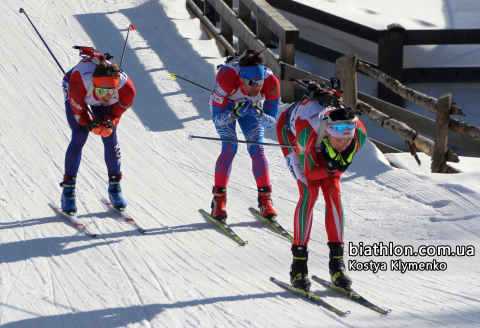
x: 326, y: 135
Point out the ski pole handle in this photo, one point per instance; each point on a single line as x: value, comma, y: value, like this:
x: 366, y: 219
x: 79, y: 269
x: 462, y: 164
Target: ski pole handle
x: 191, y: 137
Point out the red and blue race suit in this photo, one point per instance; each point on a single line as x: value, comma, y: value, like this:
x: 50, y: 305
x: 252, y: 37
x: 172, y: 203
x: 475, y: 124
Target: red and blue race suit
x: 229, y: 89
x: 79, y: 92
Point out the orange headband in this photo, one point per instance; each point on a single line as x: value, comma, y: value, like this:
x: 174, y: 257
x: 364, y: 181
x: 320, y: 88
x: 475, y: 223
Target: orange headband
x: 106, y: 81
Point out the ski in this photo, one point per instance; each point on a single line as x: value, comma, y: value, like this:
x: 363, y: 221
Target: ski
x: 272, y: 223
x: 225, y: 227
x: 310, y: 296
x: 124, y: 215
x: 354, y: 296
x: 72, y: 218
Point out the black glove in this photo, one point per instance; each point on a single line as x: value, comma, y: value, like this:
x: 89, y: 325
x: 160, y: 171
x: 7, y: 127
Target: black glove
x: 93, y: 125
x: 108, y: 124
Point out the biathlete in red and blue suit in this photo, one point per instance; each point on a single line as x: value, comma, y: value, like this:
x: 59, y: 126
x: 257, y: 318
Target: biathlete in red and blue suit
x: 246, y: 92
x: 326, y: 135
x: 109, y: 92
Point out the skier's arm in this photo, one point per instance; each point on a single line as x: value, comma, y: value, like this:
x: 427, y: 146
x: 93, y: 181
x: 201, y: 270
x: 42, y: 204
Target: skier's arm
x: 221, y: 111
x: 126, y: 94
x: 76, y: 97
x: 271, y: 88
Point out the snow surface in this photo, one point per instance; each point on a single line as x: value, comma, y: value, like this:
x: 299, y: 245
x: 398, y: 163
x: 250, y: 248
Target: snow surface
x: 184, y: 272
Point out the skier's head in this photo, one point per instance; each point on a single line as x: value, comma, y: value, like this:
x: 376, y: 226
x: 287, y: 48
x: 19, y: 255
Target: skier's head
x: 252, y: 72
x: 105, y: 80
x: 341, y: 127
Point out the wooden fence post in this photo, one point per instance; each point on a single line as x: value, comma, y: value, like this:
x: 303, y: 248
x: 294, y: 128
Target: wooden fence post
x: 346, y: 71
x: 246, y: 16
x: 439, y: 164
x: 226, y: 30
x: 209, y: 11
x: 287, y: 55
x: 390, y: 60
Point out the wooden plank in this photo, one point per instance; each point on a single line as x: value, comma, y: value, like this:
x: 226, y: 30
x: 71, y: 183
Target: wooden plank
x: 346, y: 71
x: 225, y: 28
x: 457, y: 36
x: 441, y: 75
x: 326, y: 19
x: 226, y: 47
x: 209, y: 12
x: 441, y: 135
x: 246, y: 16
x: 275, y: 21
x: 420, y: 123
x: 383, y: 62
x: 247, y: 35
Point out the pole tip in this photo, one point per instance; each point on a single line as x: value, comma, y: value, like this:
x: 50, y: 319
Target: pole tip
x: 190, y: 137
x: 172, y: 75
x: 21, y: 11
x: 132, y: 27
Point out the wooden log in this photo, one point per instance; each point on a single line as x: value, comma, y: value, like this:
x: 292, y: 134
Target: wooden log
x: 416, y: 97
x: 402, y: 130
x: 346, y: 71
x: 468, y: 130
x: 441, y: 136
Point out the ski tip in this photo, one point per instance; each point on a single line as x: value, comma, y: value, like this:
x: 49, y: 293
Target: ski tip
x: 272, y: 278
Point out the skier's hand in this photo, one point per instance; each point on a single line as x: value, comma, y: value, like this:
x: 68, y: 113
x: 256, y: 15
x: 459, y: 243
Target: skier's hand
x: 94, y: 126
x: 258, y: 108
x: 107, y: 129
x: 241, y: 108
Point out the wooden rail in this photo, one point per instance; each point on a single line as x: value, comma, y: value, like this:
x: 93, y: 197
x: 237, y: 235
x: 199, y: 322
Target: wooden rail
x: 269, y: 21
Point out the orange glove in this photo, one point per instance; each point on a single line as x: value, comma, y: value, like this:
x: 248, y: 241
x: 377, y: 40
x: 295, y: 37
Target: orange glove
x: 94, y: 126
x: 107, y: 128
x: 106, y: 132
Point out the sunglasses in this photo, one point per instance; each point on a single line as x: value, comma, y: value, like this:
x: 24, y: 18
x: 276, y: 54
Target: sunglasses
x: 103, y: 91
x: 343, y: 127
x: 254, y: 82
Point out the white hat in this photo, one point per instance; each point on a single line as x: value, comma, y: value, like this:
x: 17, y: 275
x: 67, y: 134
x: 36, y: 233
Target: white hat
x: 341, y: 128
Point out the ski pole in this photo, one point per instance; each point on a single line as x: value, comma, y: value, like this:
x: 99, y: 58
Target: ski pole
x: 173, y: 75
x: 23, y: 12
x: 130, y: 27
x: 191, y: 137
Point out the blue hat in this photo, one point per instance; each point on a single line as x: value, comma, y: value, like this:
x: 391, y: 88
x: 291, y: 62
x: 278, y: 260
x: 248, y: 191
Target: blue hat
x: 252, y: 72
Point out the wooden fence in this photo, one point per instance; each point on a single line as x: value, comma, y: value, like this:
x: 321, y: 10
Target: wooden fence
x: 391, y: 42
x: 459, y: 134
x: 346, y: 69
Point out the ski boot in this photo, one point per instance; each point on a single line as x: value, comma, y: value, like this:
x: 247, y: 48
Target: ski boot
x: 219, y: 204
x: 337, y: 267
x: 68, y: 198
x: 299, y: 269
x: 115, y: 192
x: 265, y: 203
